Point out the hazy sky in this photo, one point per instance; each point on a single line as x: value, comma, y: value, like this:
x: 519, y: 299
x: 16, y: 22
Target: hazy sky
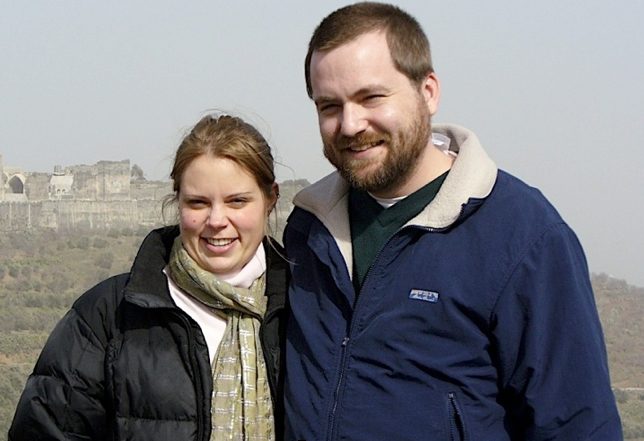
x: 552, y: 88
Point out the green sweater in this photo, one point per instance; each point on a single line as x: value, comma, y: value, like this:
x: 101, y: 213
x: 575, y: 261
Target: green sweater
x: 372, y: 225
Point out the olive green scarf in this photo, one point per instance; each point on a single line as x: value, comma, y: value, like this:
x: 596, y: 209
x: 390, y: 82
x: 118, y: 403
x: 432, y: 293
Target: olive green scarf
x: 241, y: 400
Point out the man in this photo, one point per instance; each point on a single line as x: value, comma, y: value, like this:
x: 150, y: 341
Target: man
x: 433, y: 297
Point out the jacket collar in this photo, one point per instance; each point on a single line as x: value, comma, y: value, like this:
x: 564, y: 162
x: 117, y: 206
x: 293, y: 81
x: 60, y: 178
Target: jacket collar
x: 277, y: 275
x: 472, y: 176
x: 148, y: 286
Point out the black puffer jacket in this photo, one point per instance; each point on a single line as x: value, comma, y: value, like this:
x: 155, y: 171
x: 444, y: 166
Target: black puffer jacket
x: 126, y: 363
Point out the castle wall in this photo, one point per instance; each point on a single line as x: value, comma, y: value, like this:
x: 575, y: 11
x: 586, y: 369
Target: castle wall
x: 94, y: 197
x: 104, y: 181
x: 149, y: 213
x: 150, y: 190
x: 113, y: 180
x: 18, y: 215
x: 37, y: 186
x: 69, y: 215
x: 100, y: 215
x: 85, y: 184
x: 74, y: 215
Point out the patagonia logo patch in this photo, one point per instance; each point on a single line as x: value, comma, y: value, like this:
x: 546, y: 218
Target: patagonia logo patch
x: 425, y: 296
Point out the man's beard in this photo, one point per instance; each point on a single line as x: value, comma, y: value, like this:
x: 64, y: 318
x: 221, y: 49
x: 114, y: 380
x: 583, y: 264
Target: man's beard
x: 404, y: 147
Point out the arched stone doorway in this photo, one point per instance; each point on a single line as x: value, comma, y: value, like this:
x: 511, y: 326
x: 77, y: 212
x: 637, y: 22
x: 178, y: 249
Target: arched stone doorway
x: 16, y: 186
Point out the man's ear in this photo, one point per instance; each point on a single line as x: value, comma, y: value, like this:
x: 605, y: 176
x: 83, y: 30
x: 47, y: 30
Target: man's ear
x: 430, y: 88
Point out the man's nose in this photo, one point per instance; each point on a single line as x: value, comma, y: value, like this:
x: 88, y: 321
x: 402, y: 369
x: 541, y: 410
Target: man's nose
x: 353, y: 120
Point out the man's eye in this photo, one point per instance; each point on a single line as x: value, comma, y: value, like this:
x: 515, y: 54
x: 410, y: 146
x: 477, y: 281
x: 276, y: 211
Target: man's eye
x: 374, y: 97
x: 327, y: 108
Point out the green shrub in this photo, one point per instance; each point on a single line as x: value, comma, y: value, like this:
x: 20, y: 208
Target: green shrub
x: 104, y: 260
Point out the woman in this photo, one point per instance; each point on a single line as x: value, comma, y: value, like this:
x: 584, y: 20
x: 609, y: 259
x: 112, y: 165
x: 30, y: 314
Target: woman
x: 187, y: 345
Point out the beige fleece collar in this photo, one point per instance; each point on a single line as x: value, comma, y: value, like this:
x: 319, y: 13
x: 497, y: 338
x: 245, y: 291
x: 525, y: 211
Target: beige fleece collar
x: 472, y: 175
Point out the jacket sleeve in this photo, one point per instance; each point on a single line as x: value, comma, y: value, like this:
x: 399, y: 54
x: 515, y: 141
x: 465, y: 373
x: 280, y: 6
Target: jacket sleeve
x: 550, y: 347
x: 64, y: 396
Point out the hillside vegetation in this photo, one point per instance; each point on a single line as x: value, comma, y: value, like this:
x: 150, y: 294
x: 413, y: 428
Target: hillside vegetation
x: 42, y: 273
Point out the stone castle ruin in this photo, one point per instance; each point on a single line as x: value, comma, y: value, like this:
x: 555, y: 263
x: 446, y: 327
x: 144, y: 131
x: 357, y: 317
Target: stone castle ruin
x: 106, y: 195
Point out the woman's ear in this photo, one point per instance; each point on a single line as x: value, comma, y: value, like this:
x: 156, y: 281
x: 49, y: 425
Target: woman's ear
x: 275, y: 195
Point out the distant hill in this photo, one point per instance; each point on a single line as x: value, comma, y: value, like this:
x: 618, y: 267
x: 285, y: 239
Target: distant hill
x: 621, y: 309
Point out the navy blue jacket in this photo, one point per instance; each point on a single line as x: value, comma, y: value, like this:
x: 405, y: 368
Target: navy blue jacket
x: 476, y: 321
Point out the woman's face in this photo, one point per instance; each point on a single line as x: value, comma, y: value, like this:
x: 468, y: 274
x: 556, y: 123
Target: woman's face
x: 223, y: 213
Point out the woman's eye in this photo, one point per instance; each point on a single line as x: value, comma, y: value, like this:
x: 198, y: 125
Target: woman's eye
x: 238, y: 202
x: 195, y: 203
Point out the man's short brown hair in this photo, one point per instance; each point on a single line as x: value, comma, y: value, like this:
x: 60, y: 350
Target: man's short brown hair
x: 407, y: 42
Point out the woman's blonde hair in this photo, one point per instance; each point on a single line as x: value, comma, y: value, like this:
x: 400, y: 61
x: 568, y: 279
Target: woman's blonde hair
x: 230, y: 137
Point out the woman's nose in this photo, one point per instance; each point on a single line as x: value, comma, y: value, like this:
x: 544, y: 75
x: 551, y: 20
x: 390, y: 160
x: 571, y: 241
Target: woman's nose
x: 217, y: 217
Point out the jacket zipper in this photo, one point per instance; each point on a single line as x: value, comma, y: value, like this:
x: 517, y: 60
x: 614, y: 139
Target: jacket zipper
x: 456, y: 423
x: 338, y: 388
x: 265, y: 349
x: 198, y: 381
